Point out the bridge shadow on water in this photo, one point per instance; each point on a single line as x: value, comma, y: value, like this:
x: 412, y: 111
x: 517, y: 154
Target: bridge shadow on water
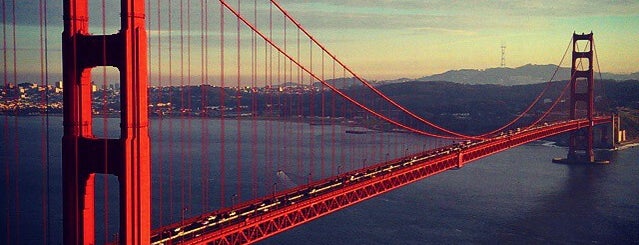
x: 576, y: 213
x: 516, y: 197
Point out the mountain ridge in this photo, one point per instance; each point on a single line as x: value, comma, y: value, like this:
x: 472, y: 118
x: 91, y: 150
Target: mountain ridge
x: 526, y: 74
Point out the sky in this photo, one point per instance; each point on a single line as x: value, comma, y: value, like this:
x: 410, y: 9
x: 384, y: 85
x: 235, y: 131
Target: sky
x: 413, y: 38
x: 378, y: 39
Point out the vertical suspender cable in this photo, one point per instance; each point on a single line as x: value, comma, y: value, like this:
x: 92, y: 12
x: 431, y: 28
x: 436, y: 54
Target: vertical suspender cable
x: 254, y: 107
x: 159, y: 111
x: 277, y: 144
x: 238, y: 114
x: 16, y: 161
x: 44, y: 114
x: 343, y: 144
x: 334, y: 125
x: 46, y: 79
x: 189, y: 130
x: 5, y: 88
x: 322, y: 115
x: 222, y: 111
x: 311, y: 115
x: 284, y: 98
x: 269, y: 177
x: 300, y: 114
x: 268, y: 76
x: 170, y: 106
x: 204, y: 163
x: 342, y: 94
x: 182, y: 112
x: 606, y: 101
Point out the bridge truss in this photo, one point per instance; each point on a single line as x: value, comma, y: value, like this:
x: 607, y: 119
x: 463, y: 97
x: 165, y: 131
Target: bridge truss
x: 270, y: 106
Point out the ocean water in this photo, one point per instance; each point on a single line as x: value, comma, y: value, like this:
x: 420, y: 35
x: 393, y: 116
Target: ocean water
x: 517, y: 196
x: 514, y: 197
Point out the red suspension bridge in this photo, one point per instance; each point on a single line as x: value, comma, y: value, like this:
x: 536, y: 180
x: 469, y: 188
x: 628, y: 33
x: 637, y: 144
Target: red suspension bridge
x: 254, y: 123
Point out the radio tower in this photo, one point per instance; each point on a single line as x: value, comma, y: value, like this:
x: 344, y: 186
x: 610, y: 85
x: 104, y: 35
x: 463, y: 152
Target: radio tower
x: 503, y: 55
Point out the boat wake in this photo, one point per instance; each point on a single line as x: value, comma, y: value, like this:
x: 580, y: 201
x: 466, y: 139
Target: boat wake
x: 285, y: 179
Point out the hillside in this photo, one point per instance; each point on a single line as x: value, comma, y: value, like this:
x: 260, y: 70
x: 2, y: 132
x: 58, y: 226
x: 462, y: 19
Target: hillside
x: 487, y: 106
x: 527, y: 74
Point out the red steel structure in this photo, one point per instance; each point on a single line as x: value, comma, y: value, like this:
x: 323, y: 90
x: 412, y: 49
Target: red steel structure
x: 84, y: 155
x: 582, y: 90
x: 128, y: 157
x: 385, y: 177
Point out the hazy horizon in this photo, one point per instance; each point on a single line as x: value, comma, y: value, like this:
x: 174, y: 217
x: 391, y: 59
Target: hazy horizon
x: 379, y: 40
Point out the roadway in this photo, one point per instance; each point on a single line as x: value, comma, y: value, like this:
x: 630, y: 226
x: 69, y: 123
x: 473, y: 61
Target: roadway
x: 261, y: 218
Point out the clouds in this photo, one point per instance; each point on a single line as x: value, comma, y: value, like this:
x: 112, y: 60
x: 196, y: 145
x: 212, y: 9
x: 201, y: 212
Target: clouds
x: 375, y: 34
x: 484, y: 7
x: 447, y: 14
x: 27, y: 12
x: 450, y: 17
x: 377, y: 14
x: 458, y: 18
x: 472, y: 29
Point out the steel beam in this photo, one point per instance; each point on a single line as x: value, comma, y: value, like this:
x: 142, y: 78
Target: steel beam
x: 257, y: 228
x: 84, y: 155
x: 578, y: 76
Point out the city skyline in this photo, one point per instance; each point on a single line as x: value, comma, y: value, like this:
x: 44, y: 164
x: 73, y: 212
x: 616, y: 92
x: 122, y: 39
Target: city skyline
x: 378, y: 39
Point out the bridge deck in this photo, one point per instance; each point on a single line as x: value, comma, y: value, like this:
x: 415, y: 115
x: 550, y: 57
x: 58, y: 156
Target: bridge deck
x: 261, y: 218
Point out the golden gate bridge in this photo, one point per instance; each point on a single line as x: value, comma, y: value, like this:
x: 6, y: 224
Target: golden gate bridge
x: 245, y: 51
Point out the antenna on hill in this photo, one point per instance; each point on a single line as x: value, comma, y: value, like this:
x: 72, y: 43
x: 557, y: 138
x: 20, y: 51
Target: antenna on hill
x: 503, y: 55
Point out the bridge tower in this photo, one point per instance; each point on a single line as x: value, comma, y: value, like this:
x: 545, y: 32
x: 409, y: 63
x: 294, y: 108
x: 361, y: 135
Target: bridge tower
x: 582, y: 84
x: 84, y: 155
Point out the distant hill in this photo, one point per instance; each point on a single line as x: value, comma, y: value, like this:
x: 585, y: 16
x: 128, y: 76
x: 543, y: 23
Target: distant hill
x: 399, y: 80
x: 349, y: 82
x: 340, y: 83
x: 527, y: 74
x: 289, y: 84
x: 482, y: 107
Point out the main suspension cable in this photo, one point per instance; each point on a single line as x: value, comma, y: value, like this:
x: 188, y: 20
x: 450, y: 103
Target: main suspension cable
x: 333, y: 88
